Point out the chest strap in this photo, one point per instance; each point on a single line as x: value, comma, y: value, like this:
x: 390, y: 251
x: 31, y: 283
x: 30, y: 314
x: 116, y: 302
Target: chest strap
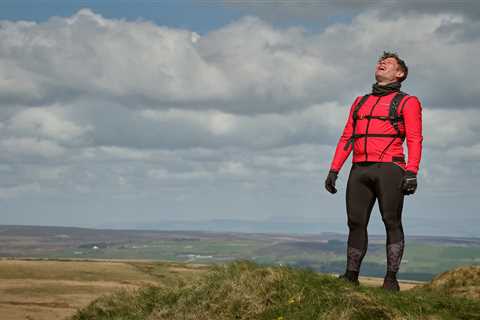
x: 393, y: 117
x: 384, y: 118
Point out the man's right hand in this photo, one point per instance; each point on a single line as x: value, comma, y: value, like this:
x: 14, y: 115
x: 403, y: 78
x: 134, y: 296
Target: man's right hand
x: 330, y: 181
x: 409, y: 183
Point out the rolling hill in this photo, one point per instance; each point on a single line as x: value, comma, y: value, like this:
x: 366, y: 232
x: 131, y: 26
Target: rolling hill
x: 245, y: 290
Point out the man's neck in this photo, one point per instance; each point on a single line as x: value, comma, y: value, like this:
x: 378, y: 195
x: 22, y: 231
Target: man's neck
x: 384, y: 83
x: 382, y: 90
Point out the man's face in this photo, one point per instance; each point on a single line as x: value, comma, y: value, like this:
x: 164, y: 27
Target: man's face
x: 388, y: 70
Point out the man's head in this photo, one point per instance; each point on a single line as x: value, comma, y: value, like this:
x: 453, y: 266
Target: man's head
x: 390, y: 68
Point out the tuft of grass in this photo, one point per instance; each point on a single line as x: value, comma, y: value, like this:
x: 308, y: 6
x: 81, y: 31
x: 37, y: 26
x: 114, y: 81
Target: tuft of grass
x: 463, y: 281
x: 244, y: 290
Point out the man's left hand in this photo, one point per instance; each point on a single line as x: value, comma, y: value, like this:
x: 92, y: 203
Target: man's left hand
x: 330, y: 181
x: 409, y: 183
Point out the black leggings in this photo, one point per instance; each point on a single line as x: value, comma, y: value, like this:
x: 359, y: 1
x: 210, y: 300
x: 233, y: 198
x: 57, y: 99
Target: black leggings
x: 367, y: 182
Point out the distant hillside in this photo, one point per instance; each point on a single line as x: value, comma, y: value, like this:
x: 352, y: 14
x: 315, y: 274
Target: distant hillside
x: 244, y: 290
x: 324, y: 252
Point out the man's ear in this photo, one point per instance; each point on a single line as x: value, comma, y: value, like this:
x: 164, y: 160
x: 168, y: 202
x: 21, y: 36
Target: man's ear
x: 400, y: 74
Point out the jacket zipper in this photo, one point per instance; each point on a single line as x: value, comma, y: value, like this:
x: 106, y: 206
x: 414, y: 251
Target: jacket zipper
x: 368, y: 124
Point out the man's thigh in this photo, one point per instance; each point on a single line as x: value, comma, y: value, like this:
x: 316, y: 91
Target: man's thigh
x: 360, y: 195
x: 389, y: 190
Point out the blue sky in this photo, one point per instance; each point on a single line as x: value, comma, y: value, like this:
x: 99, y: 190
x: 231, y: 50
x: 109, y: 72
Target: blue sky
x: 127, y: 113
x: 193, y: 15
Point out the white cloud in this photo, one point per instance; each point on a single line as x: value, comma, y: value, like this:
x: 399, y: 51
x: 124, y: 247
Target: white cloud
x: 468, y: 153
x: 450, y: 128
x: 162, y: 174
x: 234, y: 168
x: 11, y: 147
x: 18, y: 190
x: 221, y: 123
x: 88, y: 54
x: 119, y: 153
x: 107, y: 106
x: 49, y: 122
x: 247, y: 66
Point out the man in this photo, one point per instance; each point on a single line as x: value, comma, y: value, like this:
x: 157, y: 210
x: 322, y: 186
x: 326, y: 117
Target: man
x: 376, y: 128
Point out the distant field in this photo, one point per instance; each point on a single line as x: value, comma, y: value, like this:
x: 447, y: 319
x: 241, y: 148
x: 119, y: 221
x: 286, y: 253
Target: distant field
x: 423, y: 257
x: 47, y: 290
x: 421, y: 261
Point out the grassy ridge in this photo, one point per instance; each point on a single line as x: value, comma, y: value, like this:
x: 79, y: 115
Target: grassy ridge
x: 244, y: 290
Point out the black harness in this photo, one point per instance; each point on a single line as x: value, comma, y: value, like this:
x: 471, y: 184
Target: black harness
x: 393, y: 117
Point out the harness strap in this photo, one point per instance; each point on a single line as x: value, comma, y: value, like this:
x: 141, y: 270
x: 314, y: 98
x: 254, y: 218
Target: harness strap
x: 357, y: 107
x: 379, y: 135
x: 393, y: 117
x: 384, y: 118
x: 392, y: 114
x: 354, y: 116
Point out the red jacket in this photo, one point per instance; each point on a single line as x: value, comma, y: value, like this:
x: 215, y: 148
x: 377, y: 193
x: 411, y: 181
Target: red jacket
x: 370, y: 148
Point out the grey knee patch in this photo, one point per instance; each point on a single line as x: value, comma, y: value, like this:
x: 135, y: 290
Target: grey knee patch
x: 354, y: 258
x: 394, y: 255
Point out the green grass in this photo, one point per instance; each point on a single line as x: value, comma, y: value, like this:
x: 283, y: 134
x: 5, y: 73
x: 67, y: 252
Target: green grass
x: 244, y: 290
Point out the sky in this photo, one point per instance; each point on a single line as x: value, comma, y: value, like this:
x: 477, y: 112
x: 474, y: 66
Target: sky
x: 128, y: 113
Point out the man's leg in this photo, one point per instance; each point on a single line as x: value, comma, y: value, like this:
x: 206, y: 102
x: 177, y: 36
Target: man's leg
x: 360, y: 200
x: 390, y: 199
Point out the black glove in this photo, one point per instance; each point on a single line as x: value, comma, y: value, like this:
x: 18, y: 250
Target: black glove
x: 330, y: 181
x: 409, y: 183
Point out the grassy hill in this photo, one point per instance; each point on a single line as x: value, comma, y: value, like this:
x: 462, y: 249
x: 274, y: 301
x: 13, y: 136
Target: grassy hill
x: 244, y: 290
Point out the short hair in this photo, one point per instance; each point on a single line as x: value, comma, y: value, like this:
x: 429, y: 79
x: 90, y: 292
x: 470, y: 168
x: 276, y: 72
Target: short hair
x: 400, y: 62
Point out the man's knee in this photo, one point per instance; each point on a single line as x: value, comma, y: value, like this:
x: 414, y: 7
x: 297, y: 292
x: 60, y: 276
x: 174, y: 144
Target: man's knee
x: 394, y: 230
x: 391, y: 222
x: 356, y: 224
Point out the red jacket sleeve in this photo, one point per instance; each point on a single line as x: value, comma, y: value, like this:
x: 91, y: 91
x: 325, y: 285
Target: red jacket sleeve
x: 340, y: 153
x: 412, y: 115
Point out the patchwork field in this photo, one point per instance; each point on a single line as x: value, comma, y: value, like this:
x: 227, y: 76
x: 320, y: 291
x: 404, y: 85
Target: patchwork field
x: 424, y: 257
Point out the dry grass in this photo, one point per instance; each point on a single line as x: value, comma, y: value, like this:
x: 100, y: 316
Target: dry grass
x: 462, y: 281
x: 56, y: 289
x: 70, y: 270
